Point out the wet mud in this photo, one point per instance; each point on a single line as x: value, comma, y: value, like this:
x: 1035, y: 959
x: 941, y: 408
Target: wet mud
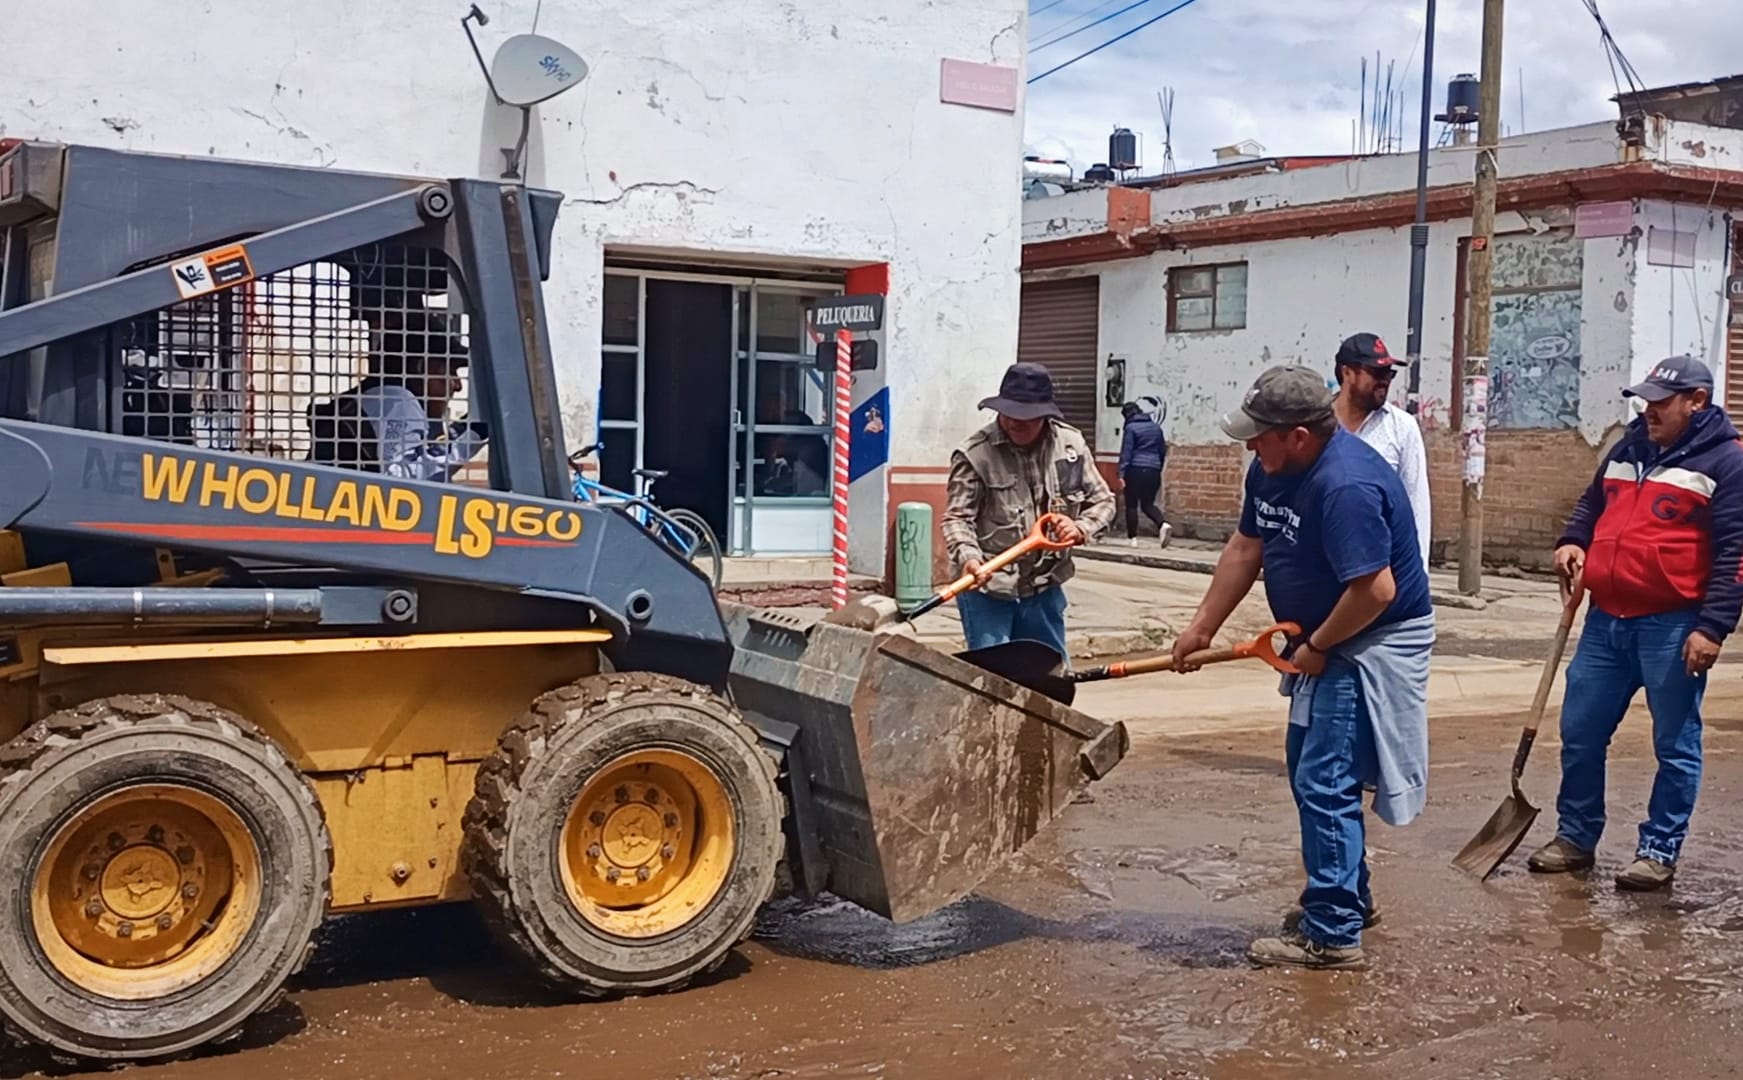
x: 1114, y: 947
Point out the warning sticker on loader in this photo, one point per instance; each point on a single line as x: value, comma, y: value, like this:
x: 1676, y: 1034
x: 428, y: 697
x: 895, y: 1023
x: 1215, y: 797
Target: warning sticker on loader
x: 224, y: 268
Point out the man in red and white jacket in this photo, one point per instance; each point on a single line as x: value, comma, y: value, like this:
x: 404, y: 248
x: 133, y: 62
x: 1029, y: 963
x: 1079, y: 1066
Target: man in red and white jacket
x: 1657, y: 542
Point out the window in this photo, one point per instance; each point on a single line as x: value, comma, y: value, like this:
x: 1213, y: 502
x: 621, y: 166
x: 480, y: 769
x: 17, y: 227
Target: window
x: 1207, y: 298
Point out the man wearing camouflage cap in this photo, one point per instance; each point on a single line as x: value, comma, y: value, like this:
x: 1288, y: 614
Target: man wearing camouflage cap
x: 1331, y: 526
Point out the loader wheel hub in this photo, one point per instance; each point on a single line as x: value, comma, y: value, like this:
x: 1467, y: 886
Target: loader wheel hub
x: 145, y: 891
x: 648, y: 843
x: 141, y: 882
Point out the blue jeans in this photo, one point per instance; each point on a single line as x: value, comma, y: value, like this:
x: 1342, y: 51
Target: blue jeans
x: 1617, y: 658
x: 996, y: 620
x: 1328, y: 761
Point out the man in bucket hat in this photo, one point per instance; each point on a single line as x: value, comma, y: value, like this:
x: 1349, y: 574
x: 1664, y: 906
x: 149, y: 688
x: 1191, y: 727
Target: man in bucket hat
x: 1026, y: 463
x: 1328, y: 521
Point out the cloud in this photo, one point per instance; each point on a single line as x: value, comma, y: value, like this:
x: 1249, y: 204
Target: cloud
x: 1287, y: 73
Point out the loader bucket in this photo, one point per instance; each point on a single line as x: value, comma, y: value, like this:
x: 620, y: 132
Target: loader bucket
x: 914, y: 774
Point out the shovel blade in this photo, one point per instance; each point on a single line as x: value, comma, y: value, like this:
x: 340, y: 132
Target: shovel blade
x: 1498, y: 837
x: 1031, y: 664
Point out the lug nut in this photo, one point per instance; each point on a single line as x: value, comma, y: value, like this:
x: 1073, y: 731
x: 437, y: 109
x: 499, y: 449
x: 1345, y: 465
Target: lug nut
x: 671, y: 821
x: 185, y: 855
x: 401, y: 872
x: 622, y: 794
x: 94, y: 908
x: 611, y: 873
x: 155, y: 834
x: 125, y: 930
x: 593, y: 851
x: 116, y: 841
x: 667, y: 851
x: 91, y: 871
x: 190, y: 890
x: 597, y: 817
x: 164, y: 922
x: 653, y: 797
x: 642, y: 874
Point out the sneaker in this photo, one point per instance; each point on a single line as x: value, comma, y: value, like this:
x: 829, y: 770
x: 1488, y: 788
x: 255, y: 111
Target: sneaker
x: 1645, y: 875
x: 1559, y: 857
x: 1292, y: 921
x: 1165, y: 534
x: 1131, y: 541
x: 1294, y: 949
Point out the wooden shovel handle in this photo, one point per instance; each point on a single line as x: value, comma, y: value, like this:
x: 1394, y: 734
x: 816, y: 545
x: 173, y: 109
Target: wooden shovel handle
x: 1039, y: 539
x: 1546, y: 680
x: 1263, y: 647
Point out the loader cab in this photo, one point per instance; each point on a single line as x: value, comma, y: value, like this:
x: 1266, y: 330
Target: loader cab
x: 300, y: 364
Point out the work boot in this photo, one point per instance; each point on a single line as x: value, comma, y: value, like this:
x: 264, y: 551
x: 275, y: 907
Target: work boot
x: 1559, y: 857
x: 1645, y: 875
x: 1295, y: 949
x: 1292, y: 921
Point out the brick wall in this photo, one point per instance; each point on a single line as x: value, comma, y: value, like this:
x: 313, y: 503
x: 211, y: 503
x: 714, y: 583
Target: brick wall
x: 1534, y: 478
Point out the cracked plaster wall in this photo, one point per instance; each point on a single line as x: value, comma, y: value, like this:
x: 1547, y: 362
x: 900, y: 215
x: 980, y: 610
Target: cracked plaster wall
x: 805, y: 131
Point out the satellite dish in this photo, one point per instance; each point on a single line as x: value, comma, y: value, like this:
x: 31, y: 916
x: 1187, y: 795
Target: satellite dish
x: 530, y: 68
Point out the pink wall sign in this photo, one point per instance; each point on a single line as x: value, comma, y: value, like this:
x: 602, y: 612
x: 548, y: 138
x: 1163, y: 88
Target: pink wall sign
x: 1593, y: 220
x: 981, y: 86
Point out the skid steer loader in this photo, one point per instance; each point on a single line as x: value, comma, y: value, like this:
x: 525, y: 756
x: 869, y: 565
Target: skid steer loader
x: 271, y: 651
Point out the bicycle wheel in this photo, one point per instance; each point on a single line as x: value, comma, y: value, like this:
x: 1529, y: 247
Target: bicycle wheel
x: 706, y: 554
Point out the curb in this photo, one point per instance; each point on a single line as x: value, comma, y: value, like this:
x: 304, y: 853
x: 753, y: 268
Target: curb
x: 1184, y: 564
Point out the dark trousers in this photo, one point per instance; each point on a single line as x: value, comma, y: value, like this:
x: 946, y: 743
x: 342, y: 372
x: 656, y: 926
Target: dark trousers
x: 1142, y: 486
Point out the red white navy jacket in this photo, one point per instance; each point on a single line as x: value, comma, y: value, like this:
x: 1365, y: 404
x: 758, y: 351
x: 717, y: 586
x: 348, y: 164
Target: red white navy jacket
x: 1663, y: 531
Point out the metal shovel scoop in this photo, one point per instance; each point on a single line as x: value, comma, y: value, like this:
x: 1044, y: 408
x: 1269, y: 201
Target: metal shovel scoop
x: 1501, y: 834
x: 1040, y: 668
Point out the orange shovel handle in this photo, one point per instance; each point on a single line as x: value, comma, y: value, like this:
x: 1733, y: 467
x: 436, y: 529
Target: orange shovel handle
x: 1263, y: 647
x: 1039, y: 539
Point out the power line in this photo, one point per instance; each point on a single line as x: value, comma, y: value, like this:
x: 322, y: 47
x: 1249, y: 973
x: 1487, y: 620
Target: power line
x: 1070, y: 20
x: 1045, y: 7
x: 1093, y: 25
x: 1111, y: 41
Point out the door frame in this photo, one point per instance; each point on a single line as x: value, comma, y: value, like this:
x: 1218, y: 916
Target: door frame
x: 741, y: 443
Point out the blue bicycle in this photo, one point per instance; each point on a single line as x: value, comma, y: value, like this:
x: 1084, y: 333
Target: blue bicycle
x: 684, y: 531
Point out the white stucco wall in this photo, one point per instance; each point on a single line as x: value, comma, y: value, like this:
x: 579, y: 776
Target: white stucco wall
x: 1681, y: 309
x: 809, y: 132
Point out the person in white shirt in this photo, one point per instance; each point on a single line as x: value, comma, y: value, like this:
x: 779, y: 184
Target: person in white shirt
x: 1364, y: 370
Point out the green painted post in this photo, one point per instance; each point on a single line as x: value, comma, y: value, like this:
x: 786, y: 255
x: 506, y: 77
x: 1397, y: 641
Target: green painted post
x: 913, y: 553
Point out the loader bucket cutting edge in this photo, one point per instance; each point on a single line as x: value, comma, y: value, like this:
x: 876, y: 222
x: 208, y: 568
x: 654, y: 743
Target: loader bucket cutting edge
x: 924, y: 773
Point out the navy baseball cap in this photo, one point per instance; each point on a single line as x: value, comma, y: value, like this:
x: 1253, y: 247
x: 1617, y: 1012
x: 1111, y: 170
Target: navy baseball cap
x: 1367, y: 350
x: 1677, y: 375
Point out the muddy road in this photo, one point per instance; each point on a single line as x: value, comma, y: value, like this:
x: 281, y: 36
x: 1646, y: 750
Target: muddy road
x: 1114, y: 948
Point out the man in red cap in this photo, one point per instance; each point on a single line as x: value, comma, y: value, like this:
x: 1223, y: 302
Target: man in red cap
x: 1364, y: 370
x: 1026, y: 463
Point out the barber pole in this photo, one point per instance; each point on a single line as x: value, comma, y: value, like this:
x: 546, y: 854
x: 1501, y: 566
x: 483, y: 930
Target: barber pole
x: 843, y: 408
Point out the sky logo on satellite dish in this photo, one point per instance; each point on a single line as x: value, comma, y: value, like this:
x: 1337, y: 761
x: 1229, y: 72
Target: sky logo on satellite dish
x: 529, y: 69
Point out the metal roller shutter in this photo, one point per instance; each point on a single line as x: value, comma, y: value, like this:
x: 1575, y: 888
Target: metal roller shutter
x: 1734, y: 339
x: 1058, y: 328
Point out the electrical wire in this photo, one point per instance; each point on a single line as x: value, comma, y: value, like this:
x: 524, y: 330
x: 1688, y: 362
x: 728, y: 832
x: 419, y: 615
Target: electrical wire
x: 1036, y: 42
x: 1619, y: 66
x: 1091, y: 26
x: 1051, y: 4
x: 1149, y: 22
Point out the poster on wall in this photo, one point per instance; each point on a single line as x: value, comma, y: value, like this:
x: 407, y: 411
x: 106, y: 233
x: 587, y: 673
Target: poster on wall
x: 1534, y: 361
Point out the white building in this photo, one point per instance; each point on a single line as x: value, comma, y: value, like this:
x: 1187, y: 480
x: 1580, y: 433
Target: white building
x: 723, y: 165
x: 1610, y: 254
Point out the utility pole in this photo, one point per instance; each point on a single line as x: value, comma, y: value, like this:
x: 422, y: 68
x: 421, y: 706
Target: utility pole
x: 1419, y: 231
x: 1474, y: 428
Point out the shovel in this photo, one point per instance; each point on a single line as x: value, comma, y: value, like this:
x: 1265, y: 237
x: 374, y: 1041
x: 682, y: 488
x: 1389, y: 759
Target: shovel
x: 1039, y: 539
x: 1513, y: 818
x: 1040, y: 668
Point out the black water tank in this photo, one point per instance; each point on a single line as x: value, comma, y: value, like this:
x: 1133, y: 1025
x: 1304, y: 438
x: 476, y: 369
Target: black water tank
x: 1099, y: 173
x: 1462, y: 97
x: 1123, y: 149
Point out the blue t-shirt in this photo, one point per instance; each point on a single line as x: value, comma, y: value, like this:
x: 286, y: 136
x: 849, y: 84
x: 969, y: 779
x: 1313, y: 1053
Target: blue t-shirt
x: 1344, y: 518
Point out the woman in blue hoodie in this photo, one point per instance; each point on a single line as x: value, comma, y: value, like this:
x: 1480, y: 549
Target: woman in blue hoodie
x: 1142, y: 452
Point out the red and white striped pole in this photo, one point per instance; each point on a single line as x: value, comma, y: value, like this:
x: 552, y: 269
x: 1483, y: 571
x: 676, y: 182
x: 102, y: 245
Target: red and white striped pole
x: 843, y: 408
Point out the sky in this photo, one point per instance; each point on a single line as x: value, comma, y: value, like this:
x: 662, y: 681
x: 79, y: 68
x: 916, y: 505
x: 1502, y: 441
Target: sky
x: 1288, y: 73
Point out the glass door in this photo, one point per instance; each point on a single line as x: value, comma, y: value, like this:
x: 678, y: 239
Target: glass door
x: 782, y: 424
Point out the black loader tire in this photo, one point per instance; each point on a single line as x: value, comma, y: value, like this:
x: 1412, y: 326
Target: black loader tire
x: 88, y: 756
x: 523, y: 795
